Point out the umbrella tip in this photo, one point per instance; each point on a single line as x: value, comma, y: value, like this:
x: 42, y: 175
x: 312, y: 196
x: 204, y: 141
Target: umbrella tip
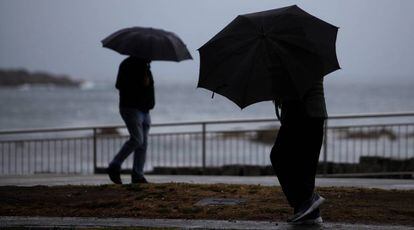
x: 294, y: 6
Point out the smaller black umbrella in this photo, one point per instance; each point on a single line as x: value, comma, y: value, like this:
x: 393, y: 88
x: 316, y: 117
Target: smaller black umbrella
x: 147, y: 43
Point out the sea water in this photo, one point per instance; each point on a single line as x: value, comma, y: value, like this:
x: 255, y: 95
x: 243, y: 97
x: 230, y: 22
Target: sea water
x: 46, y: 107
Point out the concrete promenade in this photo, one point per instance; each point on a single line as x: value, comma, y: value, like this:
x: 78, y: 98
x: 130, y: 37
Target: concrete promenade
x: 117, y: 223
x: 92, y: 222
x: 52, y: 180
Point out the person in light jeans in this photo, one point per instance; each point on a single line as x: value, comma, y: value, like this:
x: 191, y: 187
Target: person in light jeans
x: 136, y: 99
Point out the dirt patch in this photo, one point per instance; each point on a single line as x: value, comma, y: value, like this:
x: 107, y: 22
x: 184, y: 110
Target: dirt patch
x: 350, y: 205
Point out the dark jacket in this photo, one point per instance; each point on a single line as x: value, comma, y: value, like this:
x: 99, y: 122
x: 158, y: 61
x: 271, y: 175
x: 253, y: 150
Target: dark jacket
x: 312, y: 103
x: 135, y: 85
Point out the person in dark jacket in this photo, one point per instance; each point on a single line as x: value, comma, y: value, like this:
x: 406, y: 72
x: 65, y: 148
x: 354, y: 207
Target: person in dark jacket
x: 136, y: 98
x: 295, y: 154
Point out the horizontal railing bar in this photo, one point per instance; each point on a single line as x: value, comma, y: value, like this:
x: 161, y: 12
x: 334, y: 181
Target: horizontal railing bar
x: 372, y: 174
x: 372, y: 115
x: 126, y: 136
x: 368, y: 126
x: 152, y: 134
x: 48, y: 139
x: 207, y: 122
x: 191, y: 132
x: 175, y: 133
x: 218, y: 122
x: 195, y: 132
x: 253, y: 120
x: 49, y: 130
x: 329, y: 127
x: 111, y: 136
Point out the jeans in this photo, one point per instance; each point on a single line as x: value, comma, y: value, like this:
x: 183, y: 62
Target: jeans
x: 138, y: 125
x: 295, y: 154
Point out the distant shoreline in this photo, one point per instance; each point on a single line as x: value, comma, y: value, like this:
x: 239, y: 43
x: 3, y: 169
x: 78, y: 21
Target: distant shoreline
x: 22, y: 77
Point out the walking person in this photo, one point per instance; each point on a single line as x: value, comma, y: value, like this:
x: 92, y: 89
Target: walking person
x: 136, y: 98
x: 282, y: 55
x: 295, y: 154
x: 136, y: 88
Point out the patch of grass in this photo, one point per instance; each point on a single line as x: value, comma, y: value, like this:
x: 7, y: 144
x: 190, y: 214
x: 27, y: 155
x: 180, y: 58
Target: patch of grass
x: 163, y: 210
x: 140, y: 197
x: 174, y: 200
x: 190, y: 210
x: 134, y: 187
x: 161, y: 186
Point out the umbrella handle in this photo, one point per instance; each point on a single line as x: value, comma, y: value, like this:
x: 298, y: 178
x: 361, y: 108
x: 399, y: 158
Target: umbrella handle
x: 277, y: 105
x: 277, y: 113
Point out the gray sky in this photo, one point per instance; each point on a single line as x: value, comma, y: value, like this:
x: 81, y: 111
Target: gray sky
x: 375, y: 41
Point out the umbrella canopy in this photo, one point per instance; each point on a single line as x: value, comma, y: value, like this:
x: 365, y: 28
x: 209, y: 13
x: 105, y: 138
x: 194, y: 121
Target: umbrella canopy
x: 147, y: 43
x: 245, y: 60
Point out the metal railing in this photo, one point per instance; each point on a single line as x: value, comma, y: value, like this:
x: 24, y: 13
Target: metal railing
x: 362, y: 143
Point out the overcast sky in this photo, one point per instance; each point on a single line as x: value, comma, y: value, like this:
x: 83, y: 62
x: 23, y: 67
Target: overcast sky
x: 375, y: 40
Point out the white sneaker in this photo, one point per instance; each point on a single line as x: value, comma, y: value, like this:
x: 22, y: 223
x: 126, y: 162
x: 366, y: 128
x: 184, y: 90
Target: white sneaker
x: 304, y: 221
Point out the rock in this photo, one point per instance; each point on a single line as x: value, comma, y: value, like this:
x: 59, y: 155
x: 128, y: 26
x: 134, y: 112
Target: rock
x: 20, y: 77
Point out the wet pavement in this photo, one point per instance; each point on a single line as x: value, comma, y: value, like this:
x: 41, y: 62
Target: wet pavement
x: 85, y: 222
x: 52, y: 180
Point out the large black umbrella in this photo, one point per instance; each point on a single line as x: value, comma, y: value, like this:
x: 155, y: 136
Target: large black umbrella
x: 245, y: 60
x: 147, y: 43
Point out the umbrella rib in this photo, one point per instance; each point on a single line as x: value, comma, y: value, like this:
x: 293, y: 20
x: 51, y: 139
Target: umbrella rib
x: 172, y: 47
x: 310, y: 48
x: 279, y: 51
x: 226, y: 55
x: 249, y: 77
x: 172, y: 40
x: 233, y: 36
x: 234, y: 33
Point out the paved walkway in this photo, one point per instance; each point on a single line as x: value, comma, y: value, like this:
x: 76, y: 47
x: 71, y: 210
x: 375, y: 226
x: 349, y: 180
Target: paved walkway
x: 51, y: 180
x: 82, y: 222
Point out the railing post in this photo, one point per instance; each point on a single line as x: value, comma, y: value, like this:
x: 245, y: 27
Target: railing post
x: 325, y: 148
x: 94, y: 151
x: 203, y: 144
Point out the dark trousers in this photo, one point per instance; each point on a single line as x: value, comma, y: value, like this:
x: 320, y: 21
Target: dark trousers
x: 295, y: 153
